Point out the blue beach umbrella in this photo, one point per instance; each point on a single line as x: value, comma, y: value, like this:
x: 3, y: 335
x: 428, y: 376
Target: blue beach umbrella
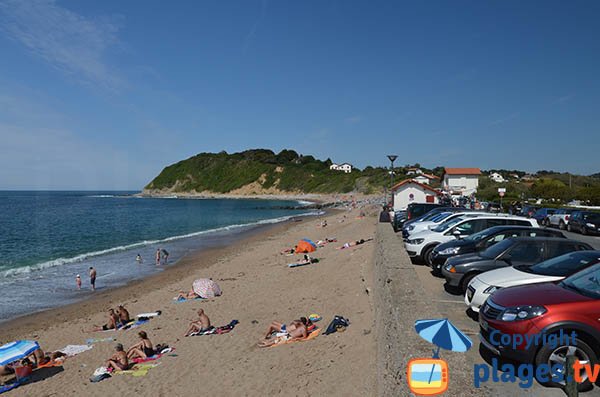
x: 17, y: 350
x: 444, y: 335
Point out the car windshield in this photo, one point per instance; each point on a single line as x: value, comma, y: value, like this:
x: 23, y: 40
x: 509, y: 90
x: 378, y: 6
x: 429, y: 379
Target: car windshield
x: 480, y: 235
x: 585, y: 282
x: 564, y: 265
x: 497, y: 249
x: 430, y: 215
x: 438, y: 217
x: 448, y: 224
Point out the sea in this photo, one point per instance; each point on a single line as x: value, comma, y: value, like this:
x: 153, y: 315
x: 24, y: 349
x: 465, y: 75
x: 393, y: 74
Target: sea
x: 47, y: 238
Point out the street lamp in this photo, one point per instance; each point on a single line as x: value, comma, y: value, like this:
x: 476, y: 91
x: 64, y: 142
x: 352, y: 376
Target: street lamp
x: 392, y: 158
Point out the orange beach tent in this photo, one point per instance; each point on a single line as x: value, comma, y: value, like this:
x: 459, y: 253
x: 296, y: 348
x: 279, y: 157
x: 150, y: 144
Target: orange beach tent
x: 304, y: 247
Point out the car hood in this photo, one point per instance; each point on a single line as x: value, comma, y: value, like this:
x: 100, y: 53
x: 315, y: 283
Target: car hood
x: 465, y: 258
x: 462, y: 244
x: 536, y: 294
x: 509, y: 276
x: 421, y: 234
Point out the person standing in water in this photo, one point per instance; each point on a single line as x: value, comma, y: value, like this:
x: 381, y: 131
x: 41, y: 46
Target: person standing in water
x: 93, y: 278
x: 157, y: 256
x: 138, y: 259
x: 165, y: 255
x: 78, y: 281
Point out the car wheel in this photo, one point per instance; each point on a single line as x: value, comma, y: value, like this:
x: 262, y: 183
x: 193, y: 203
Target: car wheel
x: 464, y: 283
x: 561, y: 225
x: 569, y: 228
x: 584, y: 231
x: 558, y: 355
x: 427, y: 255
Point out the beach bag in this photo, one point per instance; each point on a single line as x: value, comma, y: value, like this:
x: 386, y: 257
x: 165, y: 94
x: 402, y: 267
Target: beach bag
x: 338, y: 323
x: 99, y: 374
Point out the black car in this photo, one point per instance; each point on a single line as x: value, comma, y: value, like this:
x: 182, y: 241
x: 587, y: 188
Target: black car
x: 415, y: 210
x: 584, y: 222
x: 528, y: 210
x: 483, y: 240
x: 519, y: 251
x: 398, y: 221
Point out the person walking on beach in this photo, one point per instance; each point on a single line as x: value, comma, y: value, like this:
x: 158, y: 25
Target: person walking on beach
x: 93, y: 278
x: 165, y: 255
x: 157, y: 256
x: 78, y: 281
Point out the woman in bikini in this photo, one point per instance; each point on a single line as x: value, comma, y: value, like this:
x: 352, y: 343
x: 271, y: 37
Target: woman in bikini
x: 143, y: 349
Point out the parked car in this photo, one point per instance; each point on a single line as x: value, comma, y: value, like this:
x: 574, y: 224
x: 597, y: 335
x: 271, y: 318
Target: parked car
x: 432, y: 213
x: 482, y: 240
x: 427, y: 223
x: 415, y: 210
x: 551, y: 270
x: 547, y: 309
x: 528, y: 210
x: 542, y: 214
x: 420, y: 245
x: 460, y: 270
x: 398, y: 220
x: 584, y: 222
x: 560, y: 218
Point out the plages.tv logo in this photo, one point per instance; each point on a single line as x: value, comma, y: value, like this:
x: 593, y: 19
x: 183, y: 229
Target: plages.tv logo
x: 430, y: 376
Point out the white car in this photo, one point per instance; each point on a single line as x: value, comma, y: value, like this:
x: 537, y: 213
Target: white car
x: 560, y: 218
x: 551, y: 270
x: 443, y: 217
x: 420, y: 245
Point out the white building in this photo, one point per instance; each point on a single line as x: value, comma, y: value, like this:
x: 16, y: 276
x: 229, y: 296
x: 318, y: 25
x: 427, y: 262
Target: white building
x: 425, y: 179
x: 410, y: 191
x: 496, y: 177
x: 347, y: 168
x: 414, y: 171
x: 463, y: 181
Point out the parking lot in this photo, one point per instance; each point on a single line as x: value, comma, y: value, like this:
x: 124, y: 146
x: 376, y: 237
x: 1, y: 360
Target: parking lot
x: 453, y: 306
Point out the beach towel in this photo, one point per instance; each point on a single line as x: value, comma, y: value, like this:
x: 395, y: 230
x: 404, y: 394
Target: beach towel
x: 73, y: 350
x: 313, y: 260
x: 217, y: 330
x: 98, y: 340
x: 53, y: 363
x: 155, y: 357
x: 137, y: 370
x: 182, y: 299
x: 284, y: 341
x: 5, y: 388
x: 149, y: 315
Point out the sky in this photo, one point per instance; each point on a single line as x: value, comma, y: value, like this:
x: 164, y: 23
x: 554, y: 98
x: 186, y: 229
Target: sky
x: 104, y: 95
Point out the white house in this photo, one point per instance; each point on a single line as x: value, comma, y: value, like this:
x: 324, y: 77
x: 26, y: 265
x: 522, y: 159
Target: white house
x: 463, y: 181
x: 410, y: 191
x: 425, y: 179
x: 347, y: 168
x: 496, y: 177
x: 414, y: 171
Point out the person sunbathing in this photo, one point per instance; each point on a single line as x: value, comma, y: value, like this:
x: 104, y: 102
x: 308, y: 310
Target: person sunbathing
x: 123, y: 315
x: 200, y: 325
x: 297, y: 329
x: 289, y: 251
x: 118, y: 361
x: 113, y: 322
x: 143, y: 349
x: 357, y: 242
x: 187, y: 295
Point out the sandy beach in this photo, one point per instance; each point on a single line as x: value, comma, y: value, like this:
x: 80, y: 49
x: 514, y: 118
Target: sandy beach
x: 258, y: 288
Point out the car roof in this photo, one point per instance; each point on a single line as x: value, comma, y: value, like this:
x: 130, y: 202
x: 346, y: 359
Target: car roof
x: 520, y: 227
x: 557, y: 239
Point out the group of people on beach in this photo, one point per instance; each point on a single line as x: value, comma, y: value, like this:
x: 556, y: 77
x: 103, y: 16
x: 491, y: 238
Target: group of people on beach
x: 116, y: 319
x: 120, y: 360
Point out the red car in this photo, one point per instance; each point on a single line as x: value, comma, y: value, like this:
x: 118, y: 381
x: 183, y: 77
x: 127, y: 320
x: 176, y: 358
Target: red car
x: 534, y: 312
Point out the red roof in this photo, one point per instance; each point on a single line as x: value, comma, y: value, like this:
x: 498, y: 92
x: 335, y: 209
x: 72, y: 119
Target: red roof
x: 407, y: 181
x: 462, y: 171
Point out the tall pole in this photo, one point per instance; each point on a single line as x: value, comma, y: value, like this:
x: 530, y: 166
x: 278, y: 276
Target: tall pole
x: 392, y: 158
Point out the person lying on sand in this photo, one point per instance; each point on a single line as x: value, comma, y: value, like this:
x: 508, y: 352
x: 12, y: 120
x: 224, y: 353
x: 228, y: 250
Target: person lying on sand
x: 143, y: 349
x: 113, y: 321
x: 357, y: 242
x: 6, y: 369
x: 289, y: 250
x: 123, y: 315
x: 297, y: 329
x: 187, y: 295
x: 200, y: 325
x: 119, y: 360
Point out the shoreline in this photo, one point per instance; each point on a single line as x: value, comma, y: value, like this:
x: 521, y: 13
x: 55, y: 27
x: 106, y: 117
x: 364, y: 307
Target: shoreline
x: 132, y: 289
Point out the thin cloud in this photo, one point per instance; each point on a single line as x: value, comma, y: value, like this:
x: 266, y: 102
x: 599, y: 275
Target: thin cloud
x: 503, y: 120
x: 250, y: 36
x: 564, y: 98
x: 353, y: 119
x: 66, y: 40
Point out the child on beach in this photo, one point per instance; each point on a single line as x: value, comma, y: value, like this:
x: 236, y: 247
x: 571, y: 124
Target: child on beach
x: 78, y: 281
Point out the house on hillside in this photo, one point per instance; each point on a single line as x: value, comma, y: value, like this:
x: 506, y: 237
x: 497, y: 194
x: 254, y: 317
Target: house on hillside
x: 413, y: 171
x: 345, y: 167
x: 463, y: 181
x: 410, y: 191
x: 496, y: 177
x: 425, y: 179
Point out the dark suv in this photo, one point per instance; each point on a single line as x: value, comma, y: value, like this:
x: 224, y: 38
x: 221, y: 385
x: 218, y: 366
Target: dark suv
x: 573, y: 305
x: 584, y: 222
x: 525, y: 251
x: 483, y: 240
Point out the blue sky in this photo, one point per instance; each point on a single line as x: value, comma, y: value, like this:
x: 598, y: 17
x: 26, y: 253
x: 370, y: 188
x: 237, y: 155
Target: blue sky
x: 103, y: 95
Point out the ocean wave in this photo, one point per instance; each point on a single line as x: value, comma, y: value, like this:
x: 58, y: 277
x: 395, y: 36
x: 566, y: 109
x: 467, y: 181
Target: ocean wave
x: 79, y: 258
x: 102, y: 195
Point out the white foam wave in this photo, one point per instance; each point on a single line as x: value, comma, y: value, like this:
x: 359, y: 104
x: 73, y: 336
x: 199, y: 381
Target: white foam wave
x: 79, y: 258
x: 102, y: 195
